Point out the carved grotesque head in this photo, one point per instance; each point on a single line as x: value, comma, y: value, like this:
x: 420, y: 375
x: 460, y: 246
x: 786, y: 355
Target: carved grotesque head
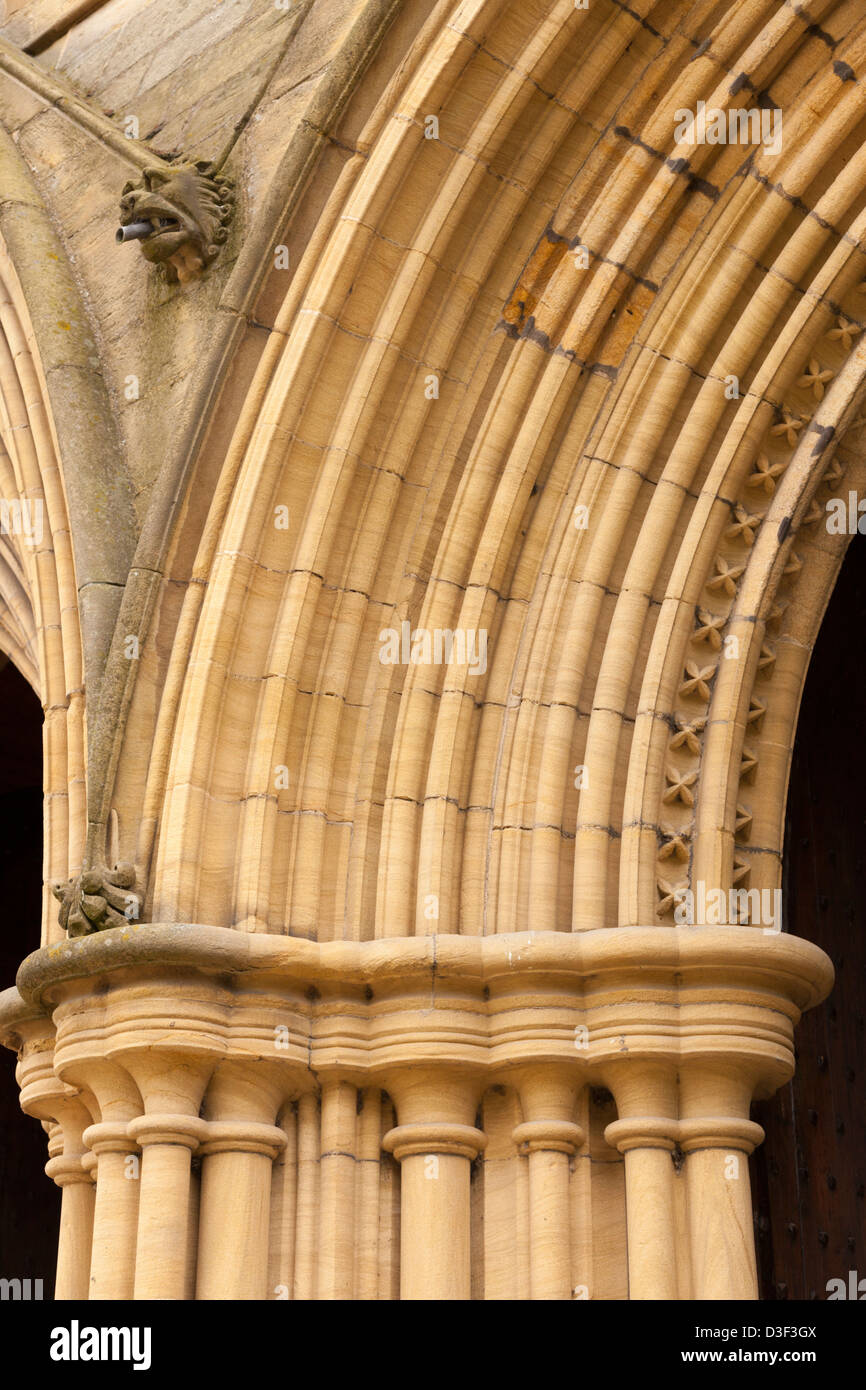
x: 189, y: 208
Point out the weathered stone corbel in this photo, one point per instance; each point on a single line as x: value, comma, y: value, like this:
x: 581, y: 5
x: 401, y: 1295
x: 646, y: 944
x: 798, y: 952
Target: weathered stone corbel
x: 179, y: 214
x: 97, y: 899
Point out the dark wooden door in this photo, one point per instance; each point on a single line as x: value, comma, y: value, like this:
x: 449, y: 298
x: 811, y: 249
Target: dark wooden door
x: 809, y: 1175
x: 29, y: 1201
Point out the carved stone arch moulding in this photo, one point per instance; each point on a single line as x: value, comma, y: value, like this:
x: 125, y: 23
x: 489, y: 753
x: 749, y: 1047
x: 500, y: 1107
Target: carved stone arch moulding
x: 597, y: 479
x: 554, y: 377
x: 726, y: 772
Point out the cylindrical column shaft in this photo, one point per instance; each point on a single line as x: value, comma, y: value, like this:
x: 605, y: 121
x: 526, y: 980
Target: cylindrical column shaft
x: 368, y: 1179
x: 651, y: 1223
x: 337, y: 1191
x: 550, y: 1145
x: 115, y: 1217
x: 167, y: 1142
x: 76, y: 1227
x: 648, y: 1144
x: 434, y: 1208
x: 308, y: 1198
x: 716, y: 1136
x: 193, y: 1208
x: 721, y: 1236
x: 284, y: 1195
x: 237, y: 1159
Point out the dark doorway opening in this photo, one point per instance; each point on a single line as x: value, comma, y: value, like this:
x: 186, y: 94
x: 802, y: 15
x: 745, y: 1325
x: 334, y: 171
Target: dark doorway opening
x: 808, y: 1176
x: 29, y: 1201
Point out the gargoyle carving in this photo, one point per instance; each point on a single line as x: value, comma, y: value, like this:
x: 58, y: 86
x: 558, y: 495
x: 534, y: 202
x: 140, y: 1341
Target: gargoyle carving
x: 97, y: 899
x: 180, y: 215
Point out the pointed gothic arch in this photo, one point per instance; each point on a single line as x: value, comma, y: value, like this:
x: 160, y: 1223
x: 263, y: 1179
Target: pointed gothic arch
x: 546, y: 371
x: 560, y: 388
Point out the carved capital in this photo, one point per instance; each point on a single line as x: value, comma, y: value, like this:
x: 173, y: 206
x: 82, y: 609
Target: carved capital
x: 465, y: 1141
x: 225, y: 1136
x: 553, y: 1136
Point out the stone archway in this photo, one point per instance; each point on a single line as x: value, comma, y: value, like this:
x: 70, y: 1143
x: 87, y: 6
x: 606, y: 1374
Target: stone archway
x: 546, y: 372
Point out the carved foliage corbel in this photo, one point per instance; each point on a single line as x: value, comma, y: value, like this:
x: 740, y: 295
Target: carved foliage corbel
x: 98, y: 898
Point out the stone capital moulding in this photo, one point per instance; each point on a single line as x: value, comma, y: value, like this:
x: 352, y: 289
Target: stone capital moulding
x: 464, y: 1141
x: 708, y: 1132
x: 697, y: 997
x: 558, y: 1136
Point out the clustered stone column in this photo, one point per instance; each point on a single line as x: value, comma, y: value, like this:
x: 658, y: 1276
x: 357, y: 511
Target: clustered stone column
x: 169, y: 1073
x: 710, y: 1142
x: 48, y: 1098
